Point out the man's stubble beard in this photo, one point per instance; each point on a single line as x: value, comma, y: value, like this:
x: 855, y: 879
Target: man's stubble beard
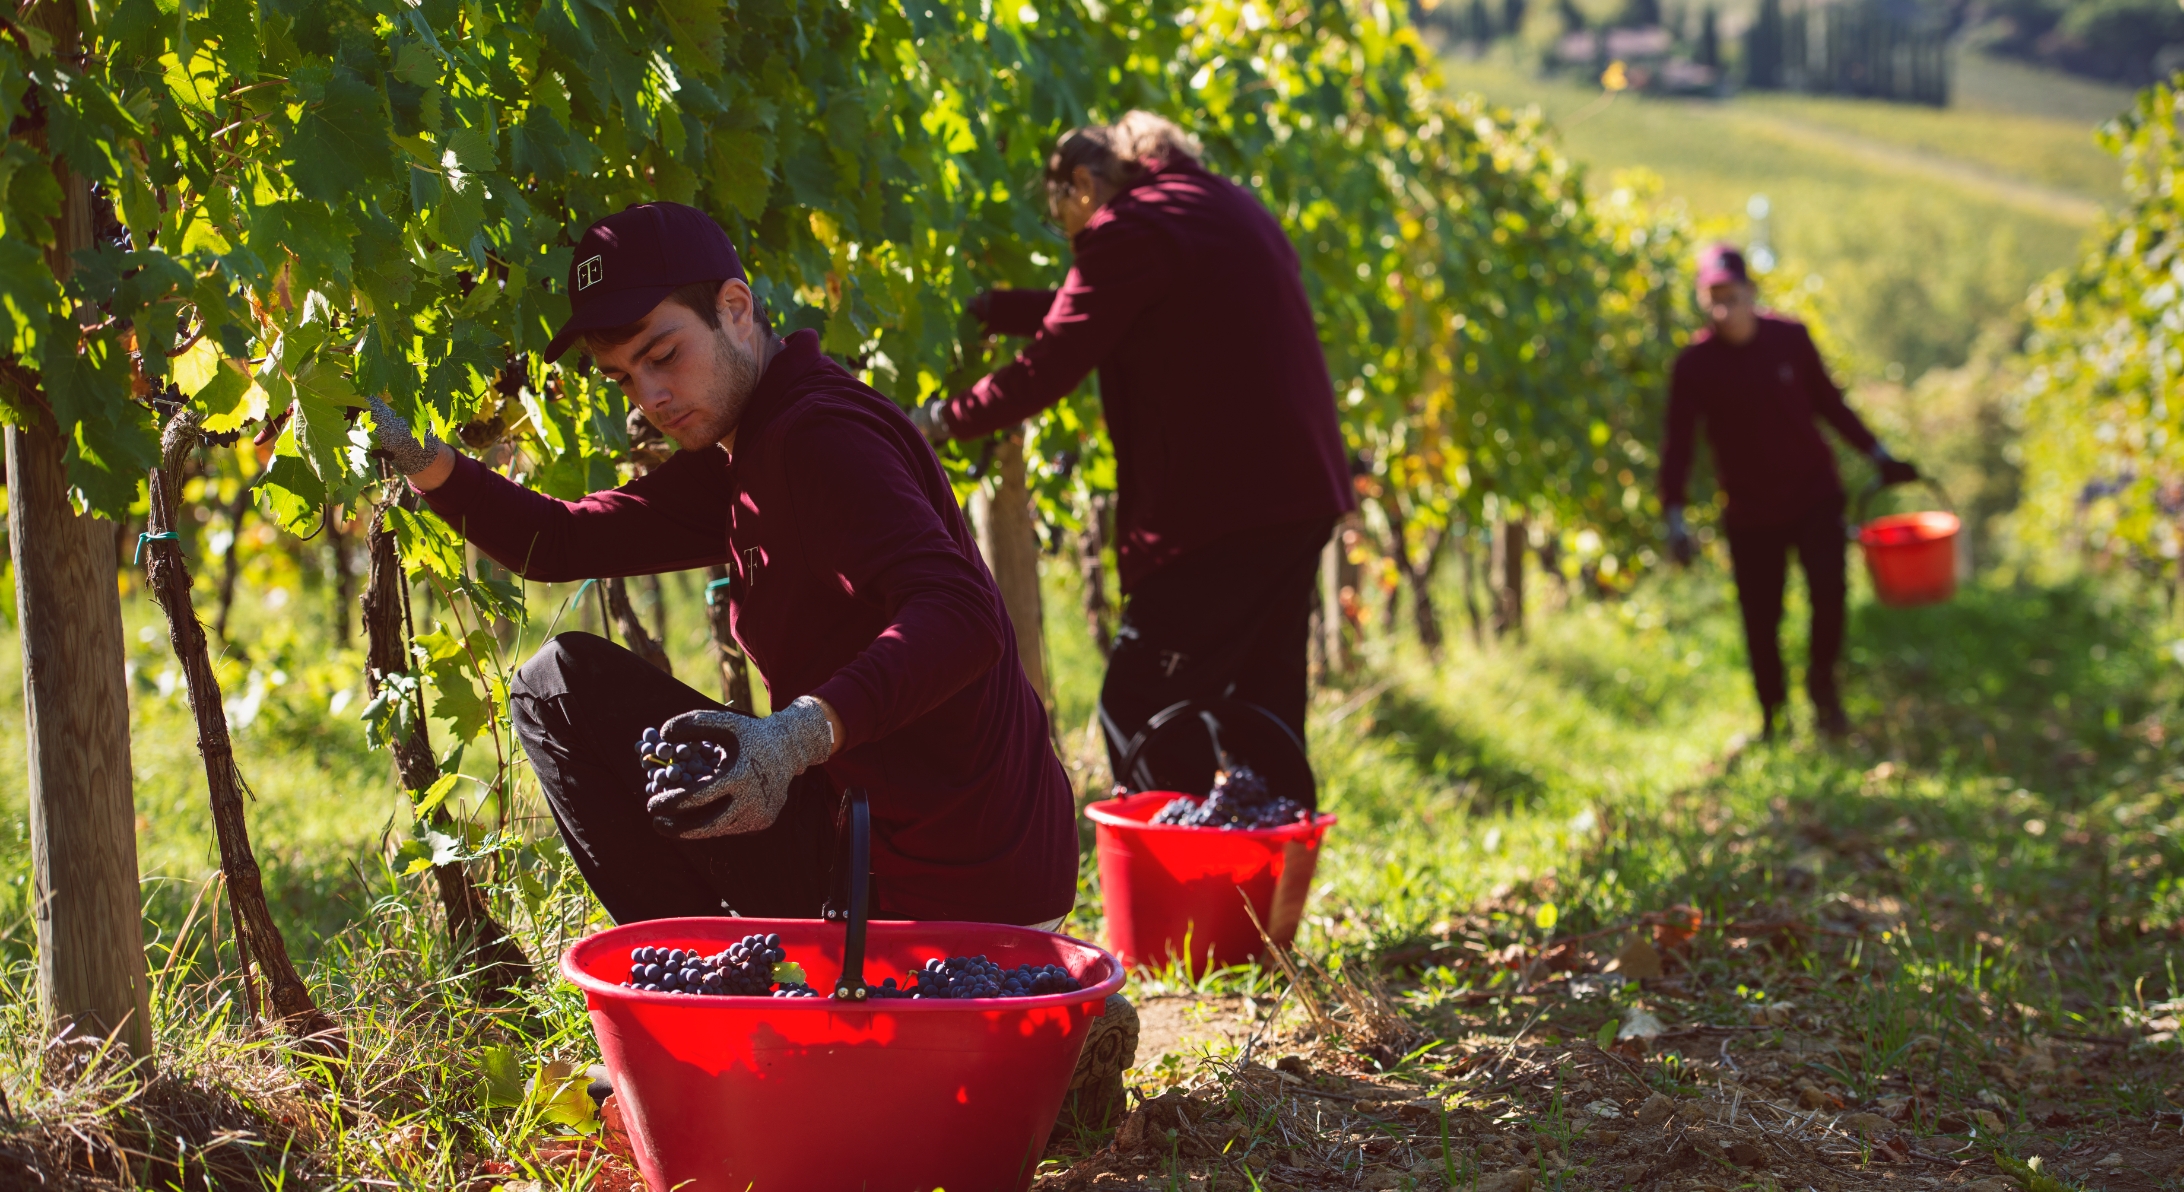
x: 735, y: 377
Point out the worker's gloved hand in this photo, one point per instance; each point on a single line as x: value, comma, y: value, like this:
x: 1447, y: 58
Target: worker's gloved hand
x: 931, y: 419
x: 748, y: 795
x: 1893, y: 470
x: 1682, y: 547
x: 394, y: 438
x: 980, y: 307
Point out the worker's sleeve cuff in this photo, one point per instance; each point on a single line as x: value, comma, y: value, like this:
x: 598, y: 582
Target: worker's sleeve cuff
x: 460, y: 491
x: 853, y: 706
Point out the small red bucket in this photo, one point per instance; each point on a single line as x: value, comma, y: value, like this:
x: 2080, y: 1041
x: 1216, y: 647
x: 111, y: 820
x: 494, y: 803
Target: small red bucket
x: 1912, y: 556
x: 1164, y: 884
x: 728, y: 1094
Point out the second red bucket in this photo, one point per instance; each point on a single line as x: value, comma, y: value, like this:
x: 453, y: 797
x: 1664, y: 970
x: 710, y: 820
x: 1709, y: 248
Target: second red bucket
x: 1176, y: 893
x: 1912, y: 557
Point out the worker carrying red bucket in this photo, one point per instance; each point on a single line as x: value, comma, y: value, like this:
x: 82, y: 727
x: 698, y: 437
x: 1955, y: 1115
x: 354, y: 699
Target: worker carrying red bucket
x: 1756, y: 383
x: 856, y: 589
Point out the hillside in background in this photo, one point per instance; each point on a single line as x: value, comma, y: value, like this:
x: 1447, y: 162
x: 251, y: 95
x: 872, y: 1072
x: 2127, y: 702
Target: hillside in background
x: 1924, y: 227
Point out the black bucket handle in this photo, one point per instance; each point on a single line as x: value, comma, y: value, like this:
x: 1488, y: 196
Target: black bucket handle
x: 850, y: 986
x: 1208, y: 712
x: 1870, y: 491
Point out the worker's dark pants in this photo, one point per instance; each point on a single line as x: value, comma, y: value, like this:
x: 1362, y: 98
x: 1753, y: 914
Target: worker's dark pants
x: 579, y: 706
x: 1760, y: 558
x: 1232, y: 618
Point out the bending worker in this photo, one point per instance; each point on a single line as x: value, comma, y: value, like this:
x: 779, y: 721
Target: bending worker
x: 1756, y: 382
x: 856, y: 589
x: 1230, y: 468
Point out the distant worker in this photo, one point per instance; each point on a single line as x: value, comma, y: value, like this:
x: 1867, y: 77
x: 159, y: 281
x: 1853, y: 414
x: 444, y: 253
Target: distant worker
x: 1758, y: 384
x: 1230, y: 468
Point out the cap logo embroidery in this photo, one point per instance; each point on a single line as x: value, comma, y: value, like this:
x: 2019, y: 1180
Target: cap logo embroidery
x: 590, y: 273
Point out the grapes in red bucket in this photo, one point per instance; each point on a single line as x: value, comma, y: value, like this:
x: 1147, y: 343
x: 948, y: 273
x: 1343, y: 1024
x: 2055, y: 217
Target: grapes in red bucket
x: 1240, y: 799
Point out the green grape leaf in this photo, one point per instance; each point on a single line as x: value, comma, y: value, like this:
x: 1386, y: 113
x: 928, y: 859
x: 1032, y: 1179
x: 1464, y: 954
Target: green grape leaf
x: 426, y: 541
x: 28, y: 296
x: 321, y: 427
x: 392, y: 714
x: 503, y: 1075
x: 341, y: 142
x: 429, y: 801
x: 291, y: 494
x: 451, y: 666
x: 697, y: 25
x: 742, y: 162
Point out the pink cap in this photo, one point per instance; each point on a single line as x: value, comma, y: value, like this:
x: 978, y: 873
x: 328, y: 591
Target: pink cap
x: 1721, y: 263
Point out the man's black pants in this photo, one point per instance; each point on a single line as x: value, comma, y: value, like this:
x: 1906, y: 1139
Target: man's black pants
x: 1760, y: 558
x: 1232, y: 618
x: 579, y: 706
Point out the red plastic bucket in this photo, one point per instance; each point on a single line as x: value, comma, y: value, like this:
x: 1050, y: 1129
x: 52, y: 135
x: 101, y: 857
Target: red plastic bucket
x: 724, y: 1094
x: 1165, y: 884
x: 1912, y: 556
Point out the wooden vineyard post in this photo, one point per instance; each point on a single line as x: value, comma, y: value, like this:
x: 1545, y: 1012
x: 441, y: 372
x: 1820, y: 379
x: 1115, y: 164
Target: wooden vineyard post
x: 92, y: 980
x: 91, y: 970
x: 632, y: 627
x: 1513, y: 543
x: 257, y: 936
x: 735, y: 669
x: 499, y: 961
x: 1010, y: 542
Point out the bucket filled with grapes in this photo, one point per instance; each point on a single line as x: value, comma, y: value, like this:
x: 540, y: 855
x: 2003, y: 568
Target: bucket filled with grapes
x: 1181, y: 883
x: 818, y: 1054
x: 1195, y: 876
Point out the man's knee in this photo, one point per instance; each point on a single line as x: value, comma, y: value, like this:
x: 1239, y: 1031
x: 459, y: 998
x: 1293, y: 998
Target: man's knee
x: 553, y: 670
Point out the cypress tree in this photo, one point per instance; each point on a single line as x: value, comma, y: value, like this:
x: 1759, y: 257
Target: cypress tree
x: 1763, y: 48
x: 1709, y: 53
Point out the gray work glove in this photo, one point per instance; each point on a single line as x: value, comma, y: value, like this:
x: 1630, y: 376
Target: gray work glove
x: 931, y: 419
x: 394, y: 438
x: 748, y: 795
x: 1681, y: 546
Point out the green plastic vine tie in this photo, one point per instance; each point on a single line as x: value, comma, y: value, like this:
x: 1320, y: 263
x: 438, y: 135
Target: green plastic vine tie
x: 716, y: 586
x: 141, y: 539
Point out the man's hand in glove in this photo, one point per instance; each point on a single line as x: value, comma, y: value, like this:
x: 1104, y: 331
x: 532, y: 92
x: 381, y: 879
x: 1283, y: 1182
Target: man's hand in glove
x: 765, y: 755
x: 1893, y: 470
x: 1681, y: 546
x: 931, y: 419
x: 426, y: 461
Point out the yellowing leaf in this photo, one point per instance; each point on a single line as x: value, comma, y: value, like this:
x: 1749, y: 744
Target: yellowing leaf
x: 193, y: 369
x: 436, y: 794
x: 1546, y: 917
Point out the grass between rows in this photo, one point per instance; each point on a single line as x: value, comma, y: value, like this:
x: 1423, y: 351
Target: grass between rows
x: 1988, y: 872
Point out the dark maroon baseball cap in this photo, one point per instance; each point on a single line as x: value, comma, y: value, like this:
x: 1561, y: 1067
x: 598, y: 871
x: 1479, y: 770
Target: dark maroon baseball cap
x: 1721, y: 263
x: 629, y: 261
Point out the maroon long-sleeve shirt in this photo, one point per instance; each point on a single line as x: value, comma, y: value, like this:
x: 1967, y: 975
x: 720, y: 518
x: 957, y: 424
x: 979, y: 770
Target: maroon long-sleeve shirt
x: 1761, y: 402
x: 1185, y: 295
x: 855, y: 580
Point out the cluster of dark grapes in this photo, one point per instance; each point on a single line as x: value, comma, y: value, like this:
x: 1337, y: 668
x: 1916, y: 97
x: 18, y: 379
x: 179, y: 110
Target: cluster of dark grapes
x: 976, y: 976
x: 742, y: 969
x: 746, y: 969
x: 1239, y: 799
x: 678, y: 765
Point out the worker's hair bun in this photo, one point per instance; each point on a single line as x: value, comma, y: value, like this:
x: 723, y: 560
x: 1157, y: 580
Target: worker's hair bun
x: 1122, y: 152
